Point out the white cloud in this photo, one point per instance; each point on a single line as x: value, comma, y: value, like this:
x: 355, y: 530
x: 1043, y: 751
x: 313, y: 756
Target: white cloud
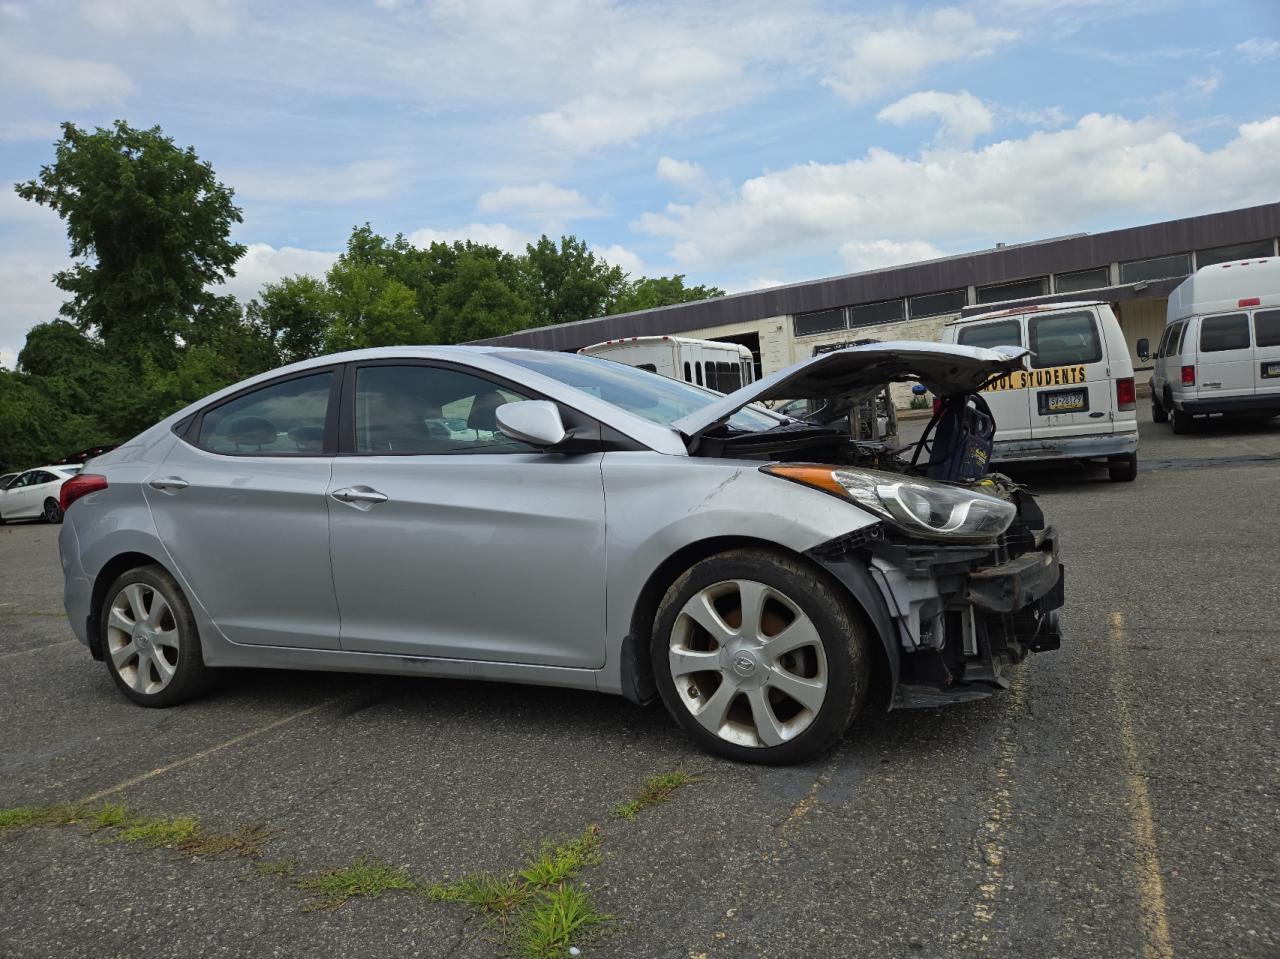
x: 361, y: 180
x: 19, y: 131
x: 1206, y: 84
x: 500, y: 235
x: 757, y: 283
x: 68, y: 82
x: 136, y: 16
x: 544, y: 201
x: 1258, y: 49
x: 14, y: 10
x: 963, y: 116
x: 616, y: 255
x: 29, y: 298
x: 1049, y: 181
x: 684, y: 173
x: 861, y: 255
x: 263, y: 263
x: 878, y: 60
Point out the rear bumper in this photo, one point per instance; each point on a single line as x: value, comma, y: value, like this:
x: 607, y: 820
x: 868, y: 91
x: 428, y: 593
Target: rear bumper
x: 1266, y: 402
x: 77, y: 587
x: 1065, y: 448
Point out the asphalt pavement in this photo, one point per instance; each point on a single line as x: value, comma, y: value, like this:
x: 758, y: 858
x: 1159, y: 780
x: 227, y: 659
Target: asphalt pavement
x: 1120, y: 800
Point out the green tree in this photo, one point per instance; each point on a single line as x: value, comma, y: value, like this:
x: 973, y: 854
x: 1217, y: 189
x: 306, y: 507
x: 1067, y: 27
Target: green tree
x: 372, y: 308
x: 295, y: 314
x: 646, y: 293
x: 149, y: 226
x: 483, y: 298
x: 78, y: 377
x: 567, y: 282
x: 35, y: 428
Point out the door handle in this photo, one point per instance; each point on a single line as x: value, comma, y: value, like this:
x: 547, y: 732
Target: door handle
x: 359, y: 495
x: 170, y: 484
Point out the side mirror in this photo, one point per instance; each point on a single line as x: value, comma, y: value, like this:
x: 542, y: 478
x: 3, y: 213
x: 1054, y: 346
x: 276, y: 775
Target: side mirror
x: 1144, y: 349
x: 536, y: 422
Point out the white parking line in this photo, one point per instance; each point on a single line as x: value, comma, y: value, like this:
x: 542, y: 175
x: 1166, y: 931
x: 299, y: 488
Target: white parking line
x: 234, y: 741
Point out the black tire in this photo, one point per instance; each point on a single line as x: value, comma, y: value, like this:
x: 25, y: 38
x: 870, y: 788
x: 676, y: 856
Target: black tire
x: 1123, y: 469
x: 52, y: 512
x: 844, y: 635
x: 1181, y: 421
x: 1158, y: 413
x: 190, y: 675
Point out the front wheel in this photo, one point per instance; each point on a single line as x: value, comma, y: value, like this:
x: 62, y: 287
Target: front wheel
x: 52, y: 512
x: 1123, y: 469
x: 150, y: 639
x: 760, y: 658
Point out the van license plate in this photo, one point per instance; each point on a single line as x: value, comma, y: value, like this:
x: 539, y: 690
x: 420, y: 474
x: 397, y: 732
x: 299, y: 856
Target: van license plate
x: 1271, y: 371
x: 1064, y: 401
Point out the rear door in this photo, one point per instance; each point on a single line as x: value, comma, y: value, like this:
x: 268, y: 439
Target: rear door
x: 1008, y: 398
x: 1225, y: 364
x: 1266, y: 347
x: 1070, y: 387
x: 20, y: 499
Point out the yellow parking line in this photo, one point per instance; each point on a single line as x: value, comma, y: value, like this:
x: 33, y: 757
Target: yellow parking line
x: 999, y: 816
x: 234, y: 741
x: 1154, y: 913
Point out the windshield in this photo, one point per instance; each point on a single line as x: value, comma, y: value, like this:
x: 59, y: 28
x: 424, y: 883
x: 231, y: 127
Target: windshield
x: 658, y: 399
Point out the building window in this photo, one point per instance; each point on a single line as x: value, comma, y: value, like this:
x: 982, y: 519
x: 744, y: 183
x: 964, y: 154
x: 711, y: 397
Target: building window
x: 1157, y: 268
x: 872, y: 314
x: 821, y: 321
x: 1094, y: 279
x: 1018, y: 290
x: 935, y: 304
x: 1241, y: 251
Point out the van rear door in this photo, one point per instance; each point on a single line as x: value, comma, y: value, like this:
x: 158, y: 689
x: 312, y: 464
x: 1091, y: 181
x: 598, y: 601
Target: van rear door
x: 1224, y: 362
x: 1069, y: 383
x: 1266, y: 351
x: 1008, y: 401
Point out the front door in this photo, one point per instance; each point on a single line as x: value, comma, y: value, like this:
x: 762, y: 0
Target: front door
x: 240, y: 504
x: 1072, y: 392
x: 449, y: 539
x: 1007, y: 396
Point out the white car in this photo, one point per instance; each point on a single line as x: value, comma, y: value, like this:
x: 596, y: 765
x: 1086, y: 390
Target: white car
x: 34, y: 494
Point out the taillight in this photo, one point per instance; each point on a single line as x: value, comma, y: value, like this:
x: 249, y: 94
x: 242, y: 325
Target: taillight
x: 82, y: 484
x: 1126, y: 394
x: 1188, y: 376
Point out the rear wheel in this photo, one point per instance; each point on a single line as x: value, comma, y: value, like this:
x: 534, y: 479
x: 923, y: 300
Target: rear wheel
x: 1181, y: 421
x: 1158, y: 413
x: 1123, y: 469
x: 150, y: 639
x: 760, y: 658
x: 52, y: 512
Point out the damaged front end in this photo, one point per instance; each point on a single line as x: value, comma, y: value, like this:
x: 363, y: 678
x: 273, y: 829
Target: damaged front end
x: 953, y: 618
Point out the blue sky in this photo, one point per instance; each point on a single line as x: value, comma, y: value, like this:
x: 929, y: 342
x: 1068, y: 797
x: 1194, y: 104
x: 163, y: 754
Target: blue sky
x: 740, y: 143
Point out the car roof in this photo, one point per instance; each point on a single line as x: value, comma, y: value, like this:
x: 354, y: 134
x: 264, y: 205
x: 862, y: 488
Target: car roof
x: 1030, y: 308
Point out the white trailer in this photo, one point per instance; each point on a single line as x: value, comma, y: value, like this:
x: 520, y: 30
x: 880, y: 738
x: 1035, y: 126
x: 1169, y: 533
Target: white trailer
x: 724, y: 367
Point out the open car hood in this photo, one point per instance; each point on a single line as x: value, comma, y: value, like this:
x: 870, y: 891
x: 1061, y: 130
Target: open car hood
x: 844, y: 377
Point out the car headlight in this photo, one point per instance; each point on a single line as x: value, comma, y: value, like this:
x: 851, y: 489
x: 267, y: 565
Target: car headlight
x: 917, y: 506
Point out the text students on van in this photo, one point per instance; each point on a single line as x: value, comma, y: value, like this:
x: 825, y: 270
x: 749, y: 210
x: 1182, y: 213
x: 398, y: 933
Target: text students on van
x: 1220, y: 352
x: 1076, y: 399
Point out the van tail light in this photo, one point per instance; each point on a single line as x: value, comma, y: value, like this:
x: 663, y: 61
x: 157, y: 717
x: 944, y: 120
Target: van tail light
x: 1188, y: 376
x: 1126, y: 394
x: 82, y: 484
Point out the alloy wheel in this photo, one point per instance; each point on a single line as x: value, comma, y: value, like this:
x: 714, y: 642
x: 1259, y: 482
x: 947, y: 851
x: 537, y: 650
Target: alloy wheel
x: 142, y: 638
x: 748, y: 663
x: 52, y: 511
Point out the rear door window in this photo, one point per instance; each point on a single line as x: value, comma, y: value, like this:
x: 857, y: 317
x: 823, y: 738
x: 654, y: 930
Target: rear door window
x: 1266, y: 328
x: 1064, y: 339
x: 987, y: 335
x: 1230, y: 331
x: 285, y: 418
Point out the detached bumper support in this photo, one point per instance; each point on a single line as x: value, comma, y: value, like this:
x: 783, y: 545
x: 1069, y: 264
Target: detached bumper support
x: 1019, y: 583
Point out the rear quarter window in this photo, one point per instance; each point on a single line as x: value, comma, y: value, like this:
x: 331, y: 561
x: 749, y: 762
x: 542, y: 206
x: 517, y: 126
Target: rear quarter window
x: 1266, y: 328
x: 1065, y: 339
x: 1230, y: 331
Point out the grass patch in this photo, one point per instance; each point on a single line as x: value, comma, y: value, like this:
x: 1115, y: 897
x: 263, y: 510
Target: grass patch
x: 486, y: 892
x: 657, y: 789
x: 553, y: 920
x: 156, y: 831
x: 17, y: 818
x: 364, y: 877
x: 551, y: 864
x: 276, y: 867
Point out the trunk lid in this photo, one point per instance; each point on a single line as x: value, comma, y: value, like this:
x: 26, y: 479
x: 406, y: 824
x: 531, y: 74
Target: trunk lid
x: 844, y: 377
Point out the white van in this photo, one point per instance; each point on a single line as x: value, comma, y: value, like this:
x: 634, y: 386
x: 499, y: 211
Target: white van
x: 1076, y: 400
x: 1220, y: 352
x: 719, y: 366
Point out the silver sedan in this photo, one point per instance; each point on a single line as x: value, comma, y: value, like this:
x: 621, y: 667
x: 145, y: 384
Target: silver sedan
x: 489, y: 513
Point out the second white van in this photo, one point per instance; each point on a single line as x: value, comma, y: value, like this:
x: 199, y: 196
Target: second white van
x: 1076, y: 400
